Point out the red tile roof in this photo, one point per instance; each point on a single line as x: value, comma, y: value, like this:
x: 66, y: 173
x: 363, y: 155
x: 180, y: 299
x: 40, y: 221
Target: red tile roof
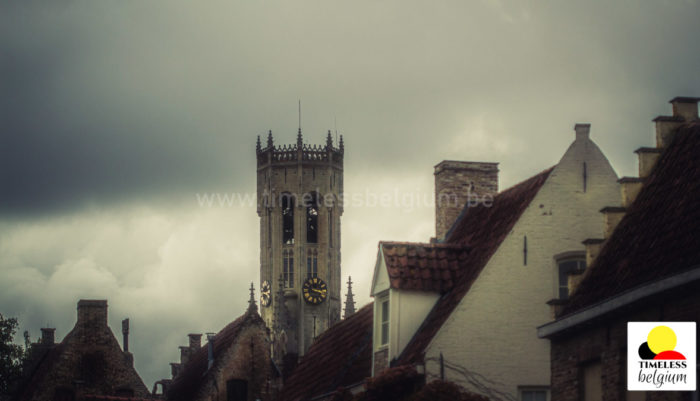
x: 482, y: 229
x: 660, y: 234
x: 340, y: 357
x: 423, y: 267
x: 194, y: 372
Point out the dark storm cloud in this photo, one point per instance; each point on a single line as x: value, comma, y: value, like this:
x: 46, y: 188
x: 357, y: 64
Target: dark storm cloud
x: 113, y: 101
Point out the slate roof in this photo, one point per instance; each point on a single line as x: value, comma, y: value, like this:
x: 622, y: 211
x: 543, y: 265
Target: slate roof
x: 423, y: 267
x: 482, y: 229
x: 340, y: 357
x: 194, y: 372
x: 660, y: 234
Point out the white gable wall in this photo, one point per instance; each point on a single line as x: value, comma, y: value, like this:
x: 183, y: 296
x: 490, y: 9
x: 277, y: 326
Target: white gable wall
x: 492, y: 332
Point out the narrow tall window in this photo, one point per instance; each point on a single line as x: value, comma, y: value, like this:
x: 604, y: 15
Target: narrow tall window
x: 385, y: 322
x: 585, y: 176
x: 525, y: 250
x: 330, y: 228
x: 312, y: 263
x: 566, y: 267
x: 311, y: 218
x: 269, y: 227
x: 288, y: 268
x: 287, y: 219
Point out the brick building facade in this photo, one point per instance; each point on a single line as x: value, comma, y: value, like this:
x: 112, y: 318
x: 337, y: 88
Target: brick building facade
x: 234, y: 364
x: 88, y: 362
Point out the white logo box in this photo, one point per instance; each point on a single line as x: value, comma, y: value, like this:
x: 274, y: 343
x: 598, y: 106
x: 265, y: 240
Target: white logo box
x: 662, y: 375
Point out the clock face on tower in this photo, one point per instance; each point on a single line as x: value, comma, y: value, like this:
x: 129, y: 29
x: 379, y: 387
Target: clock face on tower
x: 265, y: 293
x: 314, y: 290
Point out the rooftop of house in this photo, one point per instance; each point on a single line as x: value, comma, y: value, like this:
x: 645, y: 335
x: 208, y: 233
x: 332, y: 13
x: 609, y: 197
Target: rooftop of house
x: 481, y: 229
x: 658, y: 236
x: 340, y: 357
x: 423, y: 267
x: 194, y: 372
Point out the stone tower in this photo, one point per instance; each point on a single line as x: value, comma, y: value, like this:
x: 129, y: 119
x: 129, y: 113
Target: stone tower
x: 299, y: 193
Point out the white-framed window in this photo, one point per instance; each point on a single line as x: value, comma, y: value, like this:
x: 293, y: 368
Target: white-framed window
x: 566, y: 266
x: 384, y: 323
x: 533, y: 393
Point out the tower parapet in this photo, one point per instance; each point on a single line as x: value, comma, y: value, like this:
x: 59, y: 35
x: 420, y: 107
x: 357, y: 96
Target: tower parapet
x: 300, y: 151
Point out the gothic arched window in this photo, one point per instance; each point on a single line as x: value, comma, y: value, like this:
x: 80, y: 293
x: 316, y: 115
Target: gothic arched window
x: 312, y: 263
x: 288, y: 268
x: 311, y: 201
x: 287, y: 218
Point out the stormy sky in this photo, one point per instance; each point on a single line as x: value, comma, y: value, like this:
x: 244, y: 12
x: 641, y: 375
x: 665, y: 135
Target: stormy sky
x: 116, y: 116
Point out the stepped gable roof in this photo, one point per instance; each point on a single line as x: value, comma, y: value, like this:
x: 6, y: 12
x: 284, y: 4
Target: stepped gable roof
x: 658, y: 237
x: 195, y: 371
x: 482, y: 229
x: 340, y: 357
x: 423, y: 267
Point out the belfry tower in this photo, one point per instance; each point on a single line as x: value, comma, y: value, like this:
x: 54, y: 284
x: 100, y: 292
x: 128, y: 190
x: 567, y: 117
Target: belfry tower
x: 299, y: 193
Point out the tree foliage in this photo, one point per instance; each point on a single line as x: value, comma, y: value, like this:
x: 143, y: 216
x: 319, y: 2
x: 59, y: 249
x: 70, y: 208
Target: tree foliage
x: 11, y: 356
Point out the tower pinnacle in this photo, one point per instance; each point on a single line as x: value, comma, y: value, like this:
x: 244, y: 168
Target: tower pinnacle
x: 349, y: 300
x: 252, y: 306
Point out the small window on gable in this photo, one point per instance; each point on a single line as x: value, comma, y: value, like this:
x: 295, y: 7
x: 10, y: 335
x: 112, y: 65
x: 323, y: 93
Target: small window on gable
x: 567, y: 266
x: 385, y: 322
x: 236, y: 390
x: 534, y: 394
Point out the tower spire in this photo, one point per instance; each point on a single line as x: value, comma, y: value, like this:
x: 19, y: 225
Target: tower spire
x: 257, y: 145
x: 349, y: 300
x: 341, y: 145
x: 329, y: 140
x: 269, y: 139
x: 252, y: 306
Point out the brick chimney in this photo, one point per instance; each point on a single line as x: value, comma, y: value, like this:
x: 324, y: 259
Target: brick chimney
x: 92, y: 313
x: 458, y: 183
x: 195, y: 342
x: 48, y: 336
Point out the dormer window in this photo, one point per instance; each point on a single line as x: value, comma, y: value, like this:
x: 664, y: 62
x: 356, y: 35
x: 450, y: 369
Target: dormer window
x: 384, y: 329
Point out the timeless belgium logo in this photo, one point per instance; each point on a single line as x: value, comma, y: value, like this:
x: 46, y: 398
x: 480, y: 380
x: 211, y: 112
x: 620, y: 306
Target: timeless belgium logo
x: 661, y: 356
